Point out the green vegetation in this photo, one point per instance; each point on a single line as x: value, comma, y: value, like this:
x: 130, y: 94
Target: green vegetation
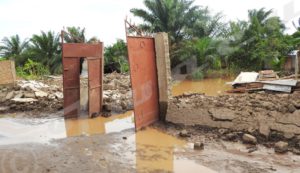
x: 220, y: 48
x: 115, y: 57
x: 255, y: 44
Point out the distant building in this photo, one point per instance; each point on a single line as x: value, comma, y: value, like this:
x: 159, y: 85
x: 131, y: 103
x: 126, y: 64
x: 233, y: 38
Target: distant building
x: 290, y: 61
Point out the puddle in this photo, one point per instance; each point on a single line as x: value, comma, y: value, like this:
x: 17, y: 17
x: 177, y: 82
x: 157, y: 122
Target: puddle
x: 13, y: 130
x: 156, y: 152
x: 211, y: 87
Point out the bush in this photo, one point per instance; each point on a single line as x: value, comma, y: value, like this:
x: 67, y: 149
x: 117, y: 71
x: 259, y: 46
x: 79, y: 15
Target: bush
x: 32, y: 69
x: 197, y: 74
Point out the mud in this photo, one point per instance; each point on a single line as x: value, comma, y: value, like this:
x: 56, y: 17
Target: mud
x: 150, y: 150
x: 269, y: 117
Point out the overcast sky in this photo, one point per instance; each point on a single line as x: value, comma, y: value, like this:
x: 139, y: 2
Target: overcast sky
x: 105, y: 18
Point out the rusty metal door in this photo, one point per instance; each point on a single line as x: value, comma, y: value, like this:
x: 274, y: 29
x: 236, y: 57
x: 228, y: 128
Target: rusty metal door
x: 95, y: 85
x: 71, y: 81
x: 141, y: 52
x: 71, y: 85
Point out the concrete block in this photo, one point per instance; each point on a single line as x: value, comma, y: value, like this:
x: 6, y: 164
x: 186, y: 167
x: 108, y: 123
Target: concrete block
x: 163, y: 72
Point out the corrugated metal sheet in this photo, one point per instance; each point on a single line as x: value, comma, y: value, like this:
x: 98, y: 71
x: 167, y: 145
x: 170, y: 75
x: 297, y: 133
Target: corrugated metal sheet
x: 281, y: 88
x: 245, y: 77
x: 286, y: 82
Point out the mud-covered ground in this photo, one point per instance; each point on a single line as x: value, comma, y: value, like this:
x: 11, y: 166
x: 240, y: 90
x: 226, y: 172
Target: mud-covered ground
x: 130, y: 152
x: 238, y: 133
x: 262, y: 117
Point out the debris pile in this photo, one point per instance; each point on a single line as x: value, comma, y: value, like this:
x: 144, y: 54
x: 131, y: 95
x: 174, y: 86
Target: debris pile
x: 117, y: 94
x: 47, y: 95
x: 266, y: 80
x: 30, y: 95
x: 253, y: 118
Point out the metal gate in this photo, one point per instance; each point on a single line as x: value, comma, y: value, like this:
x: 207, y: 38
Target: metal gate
x: 141, y: 52
x: 72, y: 52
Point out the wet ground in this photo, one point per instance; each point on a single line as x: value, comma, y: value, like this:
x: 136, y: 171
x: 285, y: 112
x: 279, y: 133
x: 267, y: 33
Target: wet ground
x: 111, y: 145
x: 210, y: 87
x: 35, y: 145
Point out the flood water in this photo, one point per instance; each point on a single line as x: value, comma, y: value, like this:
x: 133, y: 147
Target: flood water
x: 14, y: 130
x: 154, y: 150
x: 210, y: 87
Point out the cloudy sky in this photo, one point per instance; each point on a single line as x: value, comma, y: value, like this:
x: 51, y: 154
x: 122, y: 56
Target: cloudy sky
x: 105, y: 18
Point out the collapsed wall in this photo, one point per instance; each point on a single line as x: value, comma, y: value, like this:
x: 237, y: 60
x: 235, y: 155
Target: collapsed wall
x: 259, y: 112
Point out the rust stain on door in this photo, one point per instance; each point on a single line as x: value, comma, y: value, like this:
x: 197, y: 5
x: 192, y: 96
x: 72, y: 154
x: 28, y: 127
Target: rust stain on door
x: 72, y: 52
x: 141, y: 52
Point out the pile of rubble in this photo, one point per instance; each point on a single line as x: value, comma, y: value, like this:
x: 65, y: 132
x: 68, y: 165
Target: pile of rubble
x: 117, y: 94
x: 30, y: 95
x: 47, y: 95
x: 266, y: 80
x: 267, y: 117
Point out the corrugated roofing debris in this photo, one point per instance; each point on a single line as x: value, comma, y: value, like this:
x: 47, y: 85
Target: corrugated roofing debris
x: 264, y: 80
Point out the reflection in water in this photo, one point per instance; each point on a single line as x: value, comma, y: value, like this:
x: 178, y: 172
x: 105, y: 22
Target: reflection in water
x: 13, y: 131
x: 99, y: 125
x: 211, y: 87
x: 155, y: 152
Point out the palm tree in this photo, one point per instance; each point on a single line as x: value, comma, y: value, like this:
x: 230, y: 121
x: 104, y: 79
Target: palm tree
x: 296, y: 35
x: 171, y: 16
x: 45, y: 48
x: 75, y: 35
x: 12, y: 47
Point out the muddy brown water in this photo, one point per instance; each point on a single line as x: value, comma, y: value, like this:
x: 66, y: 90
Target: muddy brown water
x: 24, y: 130
x: 210, y: 87
x: 149, y: 150
x: 155, y: 150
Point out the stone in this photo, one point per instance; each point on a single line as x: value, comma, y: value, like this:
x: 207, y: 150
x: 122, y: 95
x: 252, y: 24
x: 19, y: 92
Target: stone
x: 109, y: 87
x: 29, y: 95
x: 107, y: 107
x: 291, y: 108
x: 184, y: 133
x: 41, y: 94
x: 252, y: 148
x: 19, y: 95
x: 116, y: 108
x: 288, y: 135
x: 124, y: 105
x: 231, y: 136
x: 4, y: 108
x: 222, y: 114
x: 198, y: 146
x: 281, y: 147
x: 247, y: 138
x: 59, y: 95
x: 10, y: 95
x: 296, y: 151
x: 264, y: 129
x: 51, y: 96
x: 24, y: 100
x: 222, y: 131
